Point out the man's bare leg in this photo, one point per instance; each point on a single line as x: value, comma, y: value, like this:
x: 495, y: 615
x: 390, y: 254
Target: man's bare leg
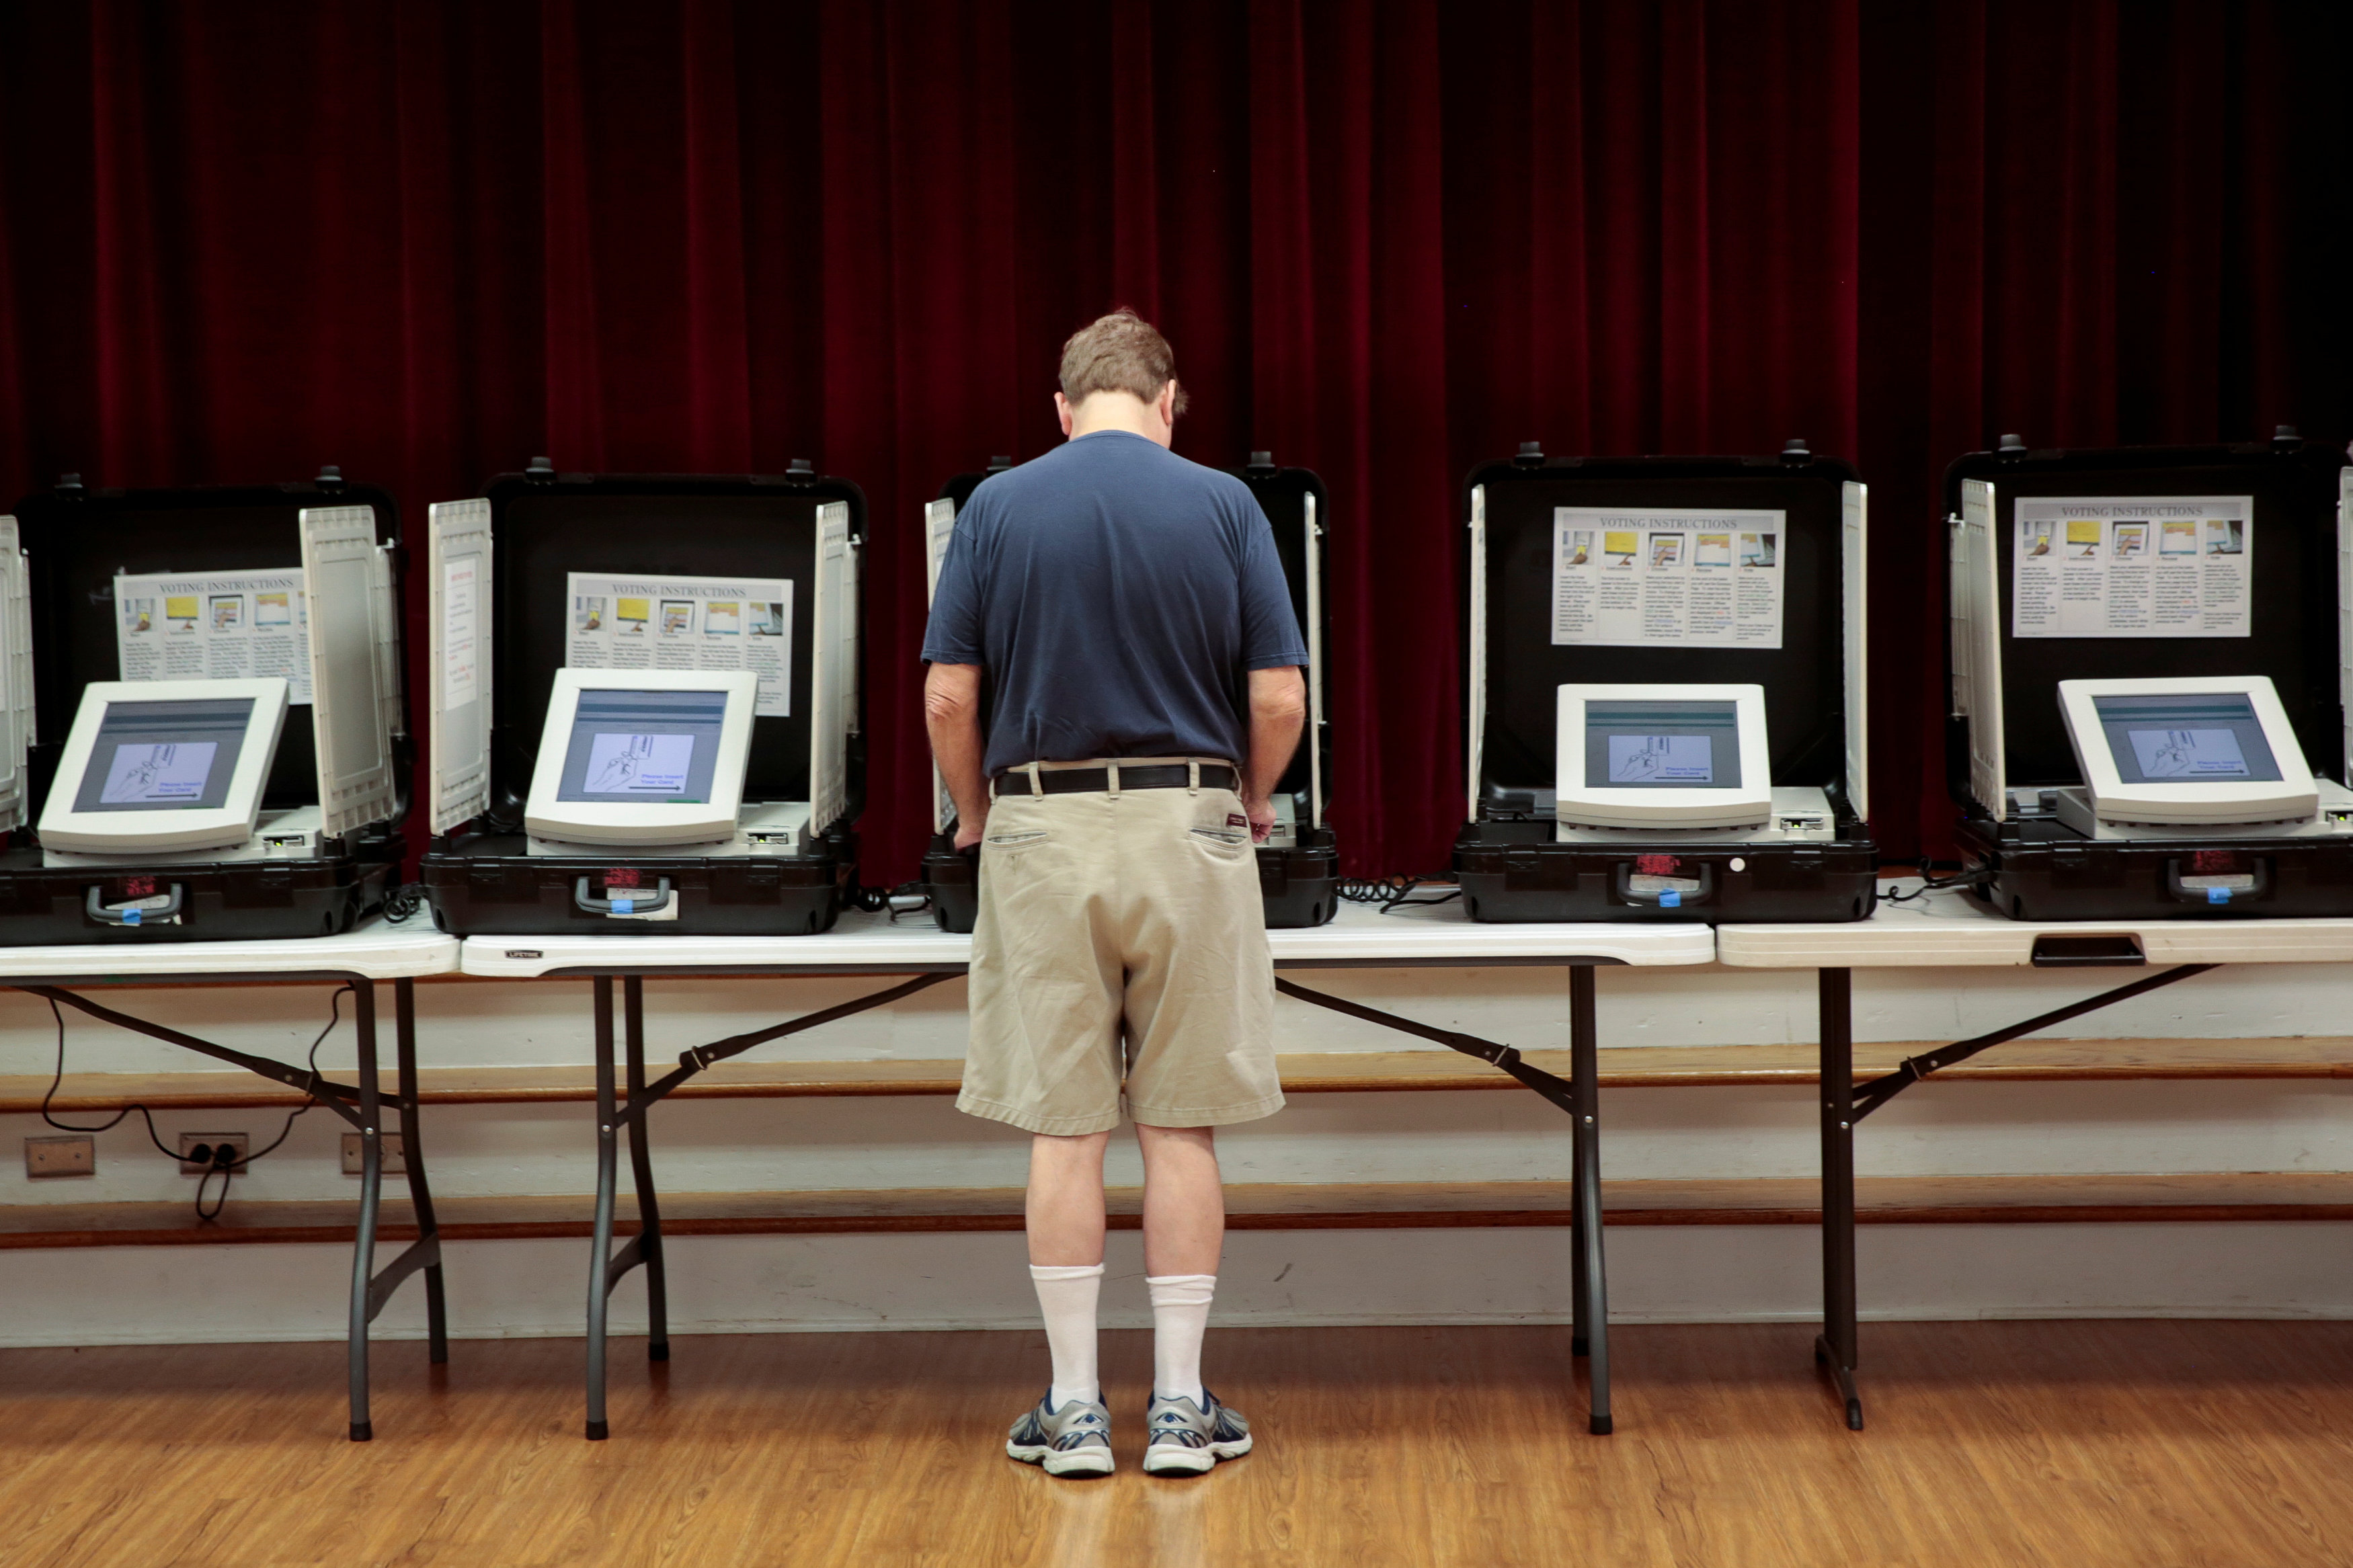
x: 1184, y: 1232
x: 1184, y: 1200
x: 1065, y: 1205
x: 1065, y: 1212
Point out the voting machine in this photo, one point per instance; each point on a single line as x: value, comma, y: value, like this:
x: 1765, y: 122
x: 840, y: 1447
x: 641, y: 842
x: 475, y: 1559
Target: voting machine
x: 205, y: 728
x: 1298, y: 865
x: 1665, y: 715
x: 2149, y: 679
x: 645, y: 704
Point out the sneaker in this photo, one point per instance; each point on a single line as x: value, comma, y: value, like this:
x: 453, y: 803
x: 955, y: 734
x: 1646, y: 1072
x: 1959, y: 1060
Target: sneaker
x: 1072, y: 1441
x: 1188, y: 1440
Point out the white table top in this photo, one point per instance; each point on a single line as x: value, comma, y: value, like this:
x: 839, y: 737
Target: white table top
x: 1949, y: 930
x: 375, y: 951
x: 1440, y: 933
x: 1431, y: 934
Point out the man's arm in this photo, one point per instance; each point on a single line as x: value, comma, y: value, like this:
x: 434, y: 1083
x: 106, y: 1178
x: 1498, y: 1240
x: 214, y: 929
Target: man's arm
x: 1278, y: 711
x: 952, y: 715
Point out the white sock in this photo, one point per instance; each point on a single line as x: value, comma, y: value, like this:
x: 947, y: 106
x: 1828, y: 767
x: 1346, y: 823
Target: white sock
x: 1066, y: 1294
x: 1180, y: 1315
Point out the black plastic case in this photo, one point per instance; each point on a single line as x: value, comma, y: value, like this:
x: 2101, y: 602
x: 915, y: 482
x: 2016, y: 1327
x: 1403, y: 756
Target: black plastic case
x: 1506, y: 858
x: 480, y: 878
x: 1300, y: 885
x: 2035, y: 867
x: 76, y: 542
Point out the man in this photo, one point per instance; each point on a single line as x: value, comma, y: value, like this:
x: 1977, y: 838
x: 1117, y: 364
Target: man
x: 1126, y: 611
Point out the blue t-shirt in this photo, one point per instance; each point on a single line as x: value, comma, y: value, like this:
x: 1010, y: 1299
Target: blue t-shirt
x: 1117, y: 595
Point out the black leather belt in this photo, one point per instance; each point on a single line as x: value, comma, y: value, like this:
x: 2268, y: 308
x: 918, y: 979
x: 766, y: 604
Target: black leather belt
x: 1080, y: 781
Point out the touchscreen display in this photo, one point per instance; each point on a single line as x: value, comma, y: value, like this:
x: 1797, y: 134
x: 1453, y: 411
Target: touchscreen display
x: 1661, y: 745
x: 654, y: 748
x: 164, y: 756
x: 2204, y: 738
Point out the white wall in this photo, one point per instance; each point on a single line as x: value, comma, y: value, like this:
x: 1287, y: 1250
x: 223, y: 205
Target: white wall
x: 113, y: 1295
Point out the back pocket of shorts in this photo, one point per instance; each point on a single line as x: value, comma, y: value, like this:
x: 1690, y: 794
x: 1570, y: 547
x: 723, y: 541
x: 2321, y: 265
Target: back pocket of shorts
x: 1224, y: 841
x: 1021, y: 840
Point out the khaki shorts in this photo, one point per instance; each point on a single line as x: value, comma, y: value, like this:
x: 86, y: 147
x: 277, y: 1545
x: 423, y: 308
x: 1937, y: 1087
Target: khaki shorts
x: 1121, y: 946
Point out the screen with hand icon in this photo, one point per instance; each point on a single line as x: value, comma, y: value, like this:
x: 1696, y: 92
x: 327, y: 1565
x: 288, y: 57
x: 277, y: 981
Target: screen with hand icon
x: 1661, y: 745
x: 638, y: 764
x: 1660, y: 759
x: 652, y: 746
x: 164, y: 756
x: 161, y: 774
x: 2186, y: 739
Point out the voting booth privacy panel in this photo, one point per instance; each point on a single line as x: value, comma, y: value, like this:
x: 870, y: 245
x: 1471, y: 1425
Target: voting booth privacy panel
x: 1299, y: 866
x: 645, y: 704
x: 205, y: 712
x: 1299, y: 869
x: 2149, y: 679
x: 1647, y: 637
x: 950, y: 881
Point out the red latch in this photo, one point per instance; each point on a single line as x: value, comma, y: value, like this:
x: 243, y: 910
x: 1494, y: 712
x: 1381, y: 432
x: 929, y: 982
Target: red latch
x: 623, y: 877
x: 2214, y: 862
x: 139, y: 887
x: 1657, y: 864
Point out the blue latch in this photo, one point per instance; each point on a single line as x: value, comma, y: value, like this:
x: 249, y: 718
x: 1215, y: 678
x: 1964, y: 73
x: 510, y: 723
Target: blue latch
x: 130, y: 917
x: 623, y: 906
x: 1670, y: 900
x: 2218, y: 895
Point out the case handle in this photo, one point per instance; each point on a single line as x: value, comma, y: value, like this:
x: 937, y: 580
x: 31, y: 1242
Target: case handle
x: 1665, y: 898
x: 2259, y: 885
x: 2120, y: 951
x: 96, y: 909
x: 609, y: 905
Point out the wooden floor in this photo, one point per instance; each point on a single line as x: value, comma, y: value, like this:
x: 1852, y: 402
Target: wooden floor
x: 2078, y: 1443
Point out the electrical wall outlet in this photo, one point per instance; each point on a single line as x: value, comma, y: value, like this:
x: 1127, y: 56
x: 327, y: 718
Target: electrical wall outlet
x: 395, y: 1154
x: 72, y: 1154
x: 195, y: 1164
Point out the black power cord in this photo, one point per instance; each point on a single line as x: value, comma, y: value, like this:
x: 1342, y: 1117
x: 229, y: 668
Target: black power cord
x: 1930, y: 883
x: 1396, y: 892
x: 403, y: 902
x: 874, y: 900
x: 220, y: 1157
x: 905, y: 890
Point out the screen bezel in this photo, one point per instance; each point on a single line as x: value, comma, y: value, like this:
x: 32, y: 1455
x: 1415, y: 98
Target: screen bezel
x: 205, y: 828
x: 2293, y: 795
x: 1746, y: 805
x: 628, y: 823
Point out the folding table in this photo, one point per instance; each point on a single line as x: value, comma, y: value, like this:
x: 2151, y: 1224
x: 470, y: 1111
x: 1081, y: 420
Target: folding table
x: 1949, y: 930
x: 360, y: 958
x: 1419, y: 936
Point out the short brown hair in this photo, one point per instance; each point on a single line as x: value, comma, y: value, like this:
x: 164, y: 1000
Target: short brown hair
x: 1119, y: 353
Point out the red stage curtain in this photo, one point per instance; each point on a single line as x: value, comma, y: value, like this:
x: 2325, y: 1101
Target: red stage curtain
x: 1390, y: 239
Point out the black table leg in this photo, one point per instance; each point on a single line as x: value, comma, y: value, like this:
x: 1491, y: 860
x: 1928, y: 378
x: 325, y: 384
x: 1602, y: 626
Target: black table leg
x: 1579, y: 1095
x: 420, y: 1195
x: 1579, y: 1343
x: 1593, y: 1289
x: 641, y: 1172
x: 600, y: 1284
x: 371, y: 1196
x: 1835, y: 1348
x: 1579, y: 1339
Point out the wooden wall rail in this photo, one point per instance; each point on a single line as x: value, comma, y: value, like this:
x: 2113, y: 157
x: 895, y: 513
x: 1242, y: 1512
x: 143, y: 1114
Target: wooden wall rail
x: 1322, y: 1072
x: 2223, y: 1196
